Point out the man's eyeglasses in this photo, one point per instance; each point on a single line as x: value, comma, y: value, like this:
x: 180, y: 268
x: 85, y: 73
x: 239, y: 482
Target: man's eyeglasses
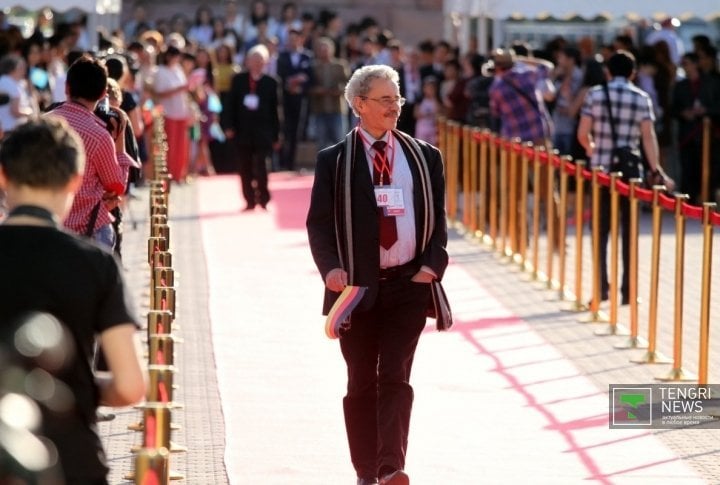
x: 387, y: 101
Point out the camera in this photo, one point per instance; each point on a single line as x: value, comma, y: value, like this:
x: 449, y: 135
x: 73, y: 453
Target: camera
x: 106, y: 114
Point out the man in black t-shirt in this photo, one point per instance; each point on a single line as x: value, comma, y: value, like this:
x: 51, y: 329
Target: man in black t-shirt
x: 45, y: 269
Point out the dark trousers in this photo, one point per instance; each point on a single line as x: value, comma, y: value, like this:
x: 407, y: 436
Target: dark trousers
x: 624, y: 207
x: 253, y: 173
x: 378, y: 350
x: 293, y: 129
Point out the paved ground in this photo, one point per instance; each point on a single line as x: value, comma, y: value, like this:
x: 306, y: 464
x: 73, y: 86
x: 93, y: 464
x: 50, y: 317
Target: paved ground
x: 516, y: 392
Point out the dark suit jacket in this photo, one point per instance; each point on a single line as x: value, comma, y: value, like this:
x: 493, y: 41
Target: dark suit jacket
x: 366, y: 246
x: 286, y: 70
x: 260, y: 126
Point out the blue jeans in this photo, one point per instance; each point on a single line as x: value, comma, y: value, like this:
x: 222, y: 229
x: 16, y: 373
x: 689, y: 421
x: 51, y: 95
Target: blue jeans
x: 105, y: 236
x: 330, y: 128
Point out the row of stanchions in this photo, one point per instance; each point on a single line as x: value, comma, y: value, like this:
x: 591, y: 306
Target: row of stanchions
x: 494, y: 180
x: 153, y: 457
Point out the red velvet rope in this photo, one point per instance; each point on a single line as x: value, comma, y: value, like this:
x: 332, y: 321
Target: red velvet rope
x: 715, y: 218
x: 692, y: 211
x: 667, y: 202
x: 603, y: 179
x: 646, y: 195
x: 150, y: 432
x: 623, y: 188
x: 163, y: 391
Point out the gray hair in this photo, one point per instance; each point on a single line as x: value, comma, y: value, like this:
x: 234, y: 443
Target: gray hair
x: 359, y: 83
x: 259, y: 50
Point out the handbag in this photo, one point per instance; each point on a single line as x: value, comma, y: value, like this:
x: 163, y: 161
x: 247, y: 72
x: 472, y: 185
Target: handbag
x: 623, y: 159
x: 440, y: 308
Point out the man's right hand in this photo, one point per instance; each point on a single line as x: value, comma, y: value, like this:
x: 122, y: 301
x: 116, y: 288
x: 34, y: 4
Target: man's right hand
x: 336, y: 280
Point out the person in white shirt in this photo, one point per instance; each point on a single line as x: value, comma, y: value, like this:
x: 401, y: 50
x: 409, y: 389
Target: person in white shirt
x: 170, y: 87
x: 667, y: 33
x: 14, y: 84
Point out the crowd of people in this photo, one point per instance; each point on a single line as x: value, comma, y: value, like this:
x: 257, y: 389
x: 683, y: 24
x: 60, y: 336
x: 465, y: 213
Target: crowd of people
x: 242, y: 92
x: 186, y: 66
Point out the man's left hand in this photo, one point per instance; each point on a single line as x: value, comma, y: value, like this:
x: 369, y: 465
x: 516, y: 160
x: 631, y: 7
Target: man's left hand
x: 422, y: 277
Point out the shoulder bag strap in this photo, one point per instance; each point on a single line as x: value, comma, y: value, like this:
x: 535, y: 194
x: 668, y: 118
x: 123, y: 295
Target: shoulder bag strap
x: 528, y: 98
x: 612, y: 119
x: 90, y: 229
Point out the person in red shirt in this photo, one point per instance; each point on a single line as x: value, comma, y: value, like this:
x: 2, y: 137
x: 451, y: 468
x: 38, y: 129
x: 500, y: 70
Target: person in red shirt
x: 106, y: 170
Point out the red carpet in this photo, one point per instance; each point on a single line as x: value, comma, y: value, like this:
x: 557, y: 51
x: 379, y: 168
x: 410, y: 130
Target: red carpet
x: 495, y: 403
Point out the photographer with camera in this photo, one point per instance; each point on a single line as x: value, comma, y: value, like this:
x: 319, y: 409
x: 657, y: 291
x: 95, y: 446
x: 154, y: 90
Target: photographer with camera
x: 107, y: 166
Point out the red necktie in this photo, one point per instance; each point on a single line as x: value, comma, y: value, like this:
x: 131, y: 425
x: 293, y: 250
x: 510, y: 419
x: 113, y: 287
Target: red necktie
x: 388, y: 227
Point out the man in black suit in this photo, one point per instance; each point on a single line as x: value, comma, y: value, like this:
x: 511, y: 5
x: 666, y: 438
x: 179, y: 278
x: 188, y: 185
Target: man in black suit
x: 377, y: 219
x: 251, y: 120
x: 294, y: 68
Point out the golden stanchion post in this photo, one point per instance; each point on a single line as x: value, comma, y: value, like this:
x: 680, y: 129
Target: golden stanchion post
x: 578, y: 305
x: 651, y: 356
x: 613, y: 328
x: 441, y: 127
x: 550, y: 219
x: 164, y: 276
x: 157, y: 198
x: 596, y: 316
x: 494, y: 192
x: 152, y: 466
x: 161, y: 230
x: 157, y: 427
x: 157, y: 219
x: 705, y: 170
x: 156, y: 244
x: 159, y: 322
x: 633, y: 341
x: 162, y: 350
x: 452, y: 170
x: 466, y: 174
x: 474, y: 144
x: 501, y: 242
x: 160, y: 385
x: 704, y: 354
x: 159, y: 210
x: 535, y: 275
x: 677, y: 373
x: 562, y: 226
x: 162, y: 259
x: 484, y: 196
x: 164, y: 299
x: 524, y: 179
x: 513, y: 195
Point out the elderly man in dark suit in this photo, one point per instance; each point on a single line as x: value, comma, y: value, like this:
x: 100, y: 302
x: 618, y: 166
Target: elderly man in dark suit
x: 377, y: 219
x: 251, y: 120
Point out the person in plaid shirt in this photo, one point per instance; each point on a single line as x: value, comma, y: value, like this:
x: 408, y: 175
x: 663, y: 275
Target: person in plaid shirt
x: 517, y: 98
x: 632, y: 111
x: 107, y: 166
x: 518, y: 95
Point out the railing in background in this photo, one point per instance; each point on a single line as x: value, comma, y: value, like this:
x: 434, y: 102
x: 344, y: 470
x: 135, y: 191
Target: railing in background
x: 152, y: 459
x: 487, y: 181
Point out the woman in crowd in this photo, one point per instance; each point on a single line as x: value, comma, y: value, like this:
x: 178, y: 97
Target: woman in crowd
x: 170, y: 90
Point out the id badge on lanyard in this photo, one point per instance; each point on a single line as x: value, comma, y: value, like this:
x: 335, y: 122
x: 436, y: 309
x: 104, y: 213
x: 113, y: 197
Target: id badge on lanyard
x: 390, y: 199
